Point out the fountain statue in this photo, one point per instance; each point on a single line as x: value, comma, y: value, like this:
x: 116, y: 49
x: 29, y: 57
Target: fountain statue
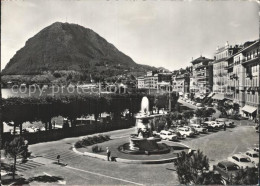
x: 143, y: 141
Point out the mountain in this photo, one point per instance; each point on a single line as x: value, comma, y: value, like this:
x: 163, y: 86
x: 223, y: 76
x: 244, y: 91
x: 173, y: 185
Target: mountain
x: 71, y: 47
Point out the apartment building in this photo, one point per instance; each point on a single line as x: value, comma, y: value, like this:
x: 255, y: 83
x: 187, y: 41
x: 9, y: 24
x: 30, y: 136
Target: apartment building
x: 201, y: 80
x: 181, y: 81
x: 140, y: 82
x: 243, y: 79
x: 154, y: 80
x: 220, y: 73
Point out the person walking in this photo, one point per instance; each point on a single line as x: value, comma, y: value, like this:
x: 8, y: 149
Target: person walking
x: 225, y: 126
x: 108, y: 154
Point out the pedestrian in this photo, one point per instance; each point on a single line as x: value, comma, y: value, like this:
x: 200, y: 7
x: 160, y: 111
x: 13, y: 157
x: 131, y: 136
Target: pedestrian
x: 53, y: 124
x: 225, y: 126
x: 108, y: 154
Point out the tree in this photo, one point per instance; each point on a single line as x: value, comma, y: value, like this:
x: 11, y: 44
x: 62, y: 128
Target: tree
x: 161, y: 101
x: 175, y: 116
x: 188, y: 114
x: 16, y: 148
x: 248, y: 176
x: 192, y: 168
x: 200, y: 113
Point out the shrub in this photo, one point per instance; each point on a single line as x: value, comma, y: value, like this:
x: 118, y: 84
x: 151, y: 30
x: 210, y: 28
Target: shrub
x: 107, y: 137
x: 103, y: 137
x: 78, y: 144
x: 87, y: 141
x: 97, y: 139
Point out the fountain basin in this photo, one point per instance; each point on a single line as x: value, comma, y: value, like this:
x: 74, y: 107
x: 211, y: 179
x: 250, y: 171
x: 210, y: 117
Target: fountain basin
x: 144, y: 146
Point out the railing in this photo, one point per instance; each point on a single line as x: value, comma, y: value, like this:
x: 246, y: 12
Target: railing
x: 250, y: 58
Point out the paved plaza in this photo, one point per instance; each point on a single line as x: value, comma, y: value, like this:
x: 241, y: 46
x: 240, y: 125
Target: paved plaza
x: 86, y: 170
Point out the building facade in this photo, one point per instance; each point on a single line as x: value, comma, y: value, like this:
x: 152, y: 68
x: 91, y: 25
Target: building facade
x: 181, y: 81
x: 220, y: 72
x: 140, y: 82
x: 243, y: 83
x: 201, y: 80
x: 154, y: 80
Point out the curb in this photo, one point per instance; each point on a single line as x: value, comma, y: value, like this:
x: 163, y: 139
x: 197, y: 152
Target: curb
x: 103, y: 157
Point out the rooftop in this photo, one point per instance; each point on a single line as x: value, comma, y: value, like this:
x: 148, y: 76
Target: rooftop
x: 201, y: 59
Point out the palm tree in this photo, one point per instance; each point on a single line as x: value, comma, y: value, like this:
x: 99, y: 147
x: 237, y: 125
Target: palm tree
x: 248, y: 176
x: 16, y: 148
x: 192, y: 168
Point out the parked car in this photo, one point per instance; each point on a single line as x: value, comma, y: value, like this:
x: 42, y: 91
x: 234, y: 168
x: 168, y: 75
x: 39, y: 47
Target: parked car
x: 199, y: 128
x: 167, y: 135
x: 185, y: 131
x: 241, y: 160
x: 155, y: 133
x: 256, y: 149
x: 211, y: 125
x: 227, y: 169
x: 253, y: 156
x: 196, y: 132
x: 225, y: 121
x: 179, y: 135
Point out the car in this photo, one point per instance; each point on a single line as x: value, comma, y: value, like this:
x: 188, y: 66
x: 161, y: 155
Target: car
x: 226, y: 169
x: 155, y: 133
x: 211, y: 125
x: 256, y: 149
x: 185, y: 131
x: 253, y: 156
x: 241, y: 160
x: 199, y: 128
x: 179, y: 135
x: 225, y: 121
x: 196, y: 132
x: 167, y: 135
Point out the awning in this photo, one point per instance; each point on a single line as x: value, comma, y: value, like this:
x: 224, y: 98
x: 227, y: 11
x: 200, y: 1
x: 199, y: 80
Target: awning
x: 249, y: 109
x: 211, y: 94
x: 218, y: 96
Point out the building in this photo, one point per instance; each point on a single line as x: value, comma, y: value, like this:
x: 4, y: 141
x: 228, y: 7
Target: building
x: 181, y: 81
x: 140, y: 82
x: 150, y: 80
x: 154, y: 80
x: 243, y: 79
x: 220, y: 73
x: 201, y: 80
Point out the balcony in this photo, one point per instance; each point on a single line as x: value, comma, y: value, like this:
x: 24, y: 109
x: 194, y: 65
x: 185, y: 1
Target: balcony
x: 250, y: 58
x: 229, y: 66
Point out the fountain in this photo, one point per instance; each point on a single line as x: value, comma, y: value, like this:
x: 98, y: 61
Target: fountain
x: 144, y: 142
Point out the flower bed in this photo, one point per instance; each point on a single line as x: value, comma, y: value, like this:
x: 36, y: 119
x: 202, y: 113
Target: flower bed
x: 91, y: 140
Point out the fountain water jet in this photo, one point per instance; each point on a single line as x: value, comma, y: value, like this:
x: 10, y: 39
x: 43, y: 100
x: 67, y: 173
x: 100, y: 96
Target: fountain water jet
x: 144, y: 141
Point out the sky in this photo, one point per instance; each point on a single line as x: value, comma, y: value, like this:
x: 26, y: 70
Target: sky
x: 157, y: 33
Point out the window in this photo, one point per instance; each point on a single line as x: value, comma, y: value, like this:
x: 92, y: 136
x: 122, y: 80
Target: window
x: 244, y: 160
x: 233, y: 167
x: 235, y: 158
x: 221, y: 166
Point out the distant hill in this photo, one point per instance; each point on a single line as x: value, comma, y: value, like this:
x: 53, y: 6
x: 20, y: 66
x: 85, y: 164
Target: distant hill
x: 70, y: 47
